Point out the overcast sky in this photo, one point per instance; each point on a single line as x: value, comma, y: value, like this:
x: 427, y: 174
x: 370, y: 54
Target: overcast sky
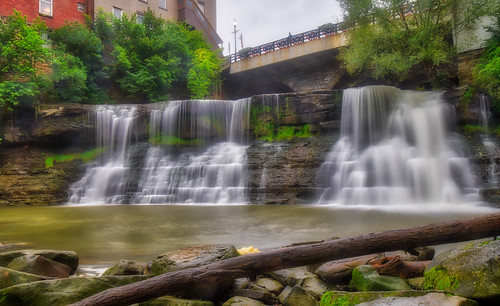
x: 262, y: 21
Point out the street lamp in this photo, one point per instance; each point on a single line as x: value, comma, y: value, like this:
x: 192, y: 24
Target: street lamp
x: 235, y: 31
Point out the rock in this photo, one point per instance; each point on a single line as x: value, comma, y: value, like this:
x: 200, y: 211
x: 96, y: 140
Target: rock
x: 259, y: 295
x: 61, y: 291
x: 191, y: 257
x: 298, y: 296
x: 314, y: 286
x: 284, y: 293
x: 173, y: 301
x: 36, y: 264
x: 9, y: 277
x: 125, y: 267
x: 242, y: 301
x: 472, y: 271
x: 270, y: 284
x: 68, y: 258
x: 331, y: 298
x: 365, y: 278
x: 416, y: 283
x: 241, y: 283
x: 433, y: 298
x: 291, y: 277
x: 340, y: 271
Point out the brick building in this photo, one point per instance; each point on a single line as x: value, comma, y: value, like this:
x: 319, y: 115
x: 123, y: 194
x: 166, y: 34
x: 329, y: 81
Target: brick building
x: 201, y: 14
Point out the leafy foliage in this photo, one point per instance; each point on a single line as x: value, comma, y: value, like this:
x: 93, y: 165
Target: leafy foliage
x: 393, y: 38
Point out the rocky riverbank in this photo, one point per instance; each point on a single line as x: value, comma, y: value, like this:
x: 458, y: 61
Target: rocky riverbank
x: 465, y: 275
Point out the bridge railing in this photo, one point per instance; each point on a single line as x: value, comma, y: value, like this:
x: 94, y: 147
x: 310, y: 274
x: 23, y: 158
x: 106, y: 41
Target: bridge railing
x: 293, y: 40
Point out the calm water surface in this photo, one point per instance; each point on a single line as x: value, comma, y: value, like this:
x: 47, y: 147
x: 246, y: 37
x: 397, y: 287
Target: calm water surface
x: 105, y: 234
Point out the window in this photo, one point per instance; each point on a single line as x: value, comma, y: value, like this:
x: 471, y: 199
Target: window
x: 117, y: 12
x: 201, y: 4
x: 45, y: 7
x: 140, y: 17
x: 145, y: 1
x: 162, y: 4
x: 80, y: 7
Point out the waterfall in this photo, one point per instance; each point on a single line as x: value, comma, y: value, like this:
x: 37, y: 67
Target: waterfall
x: 395, y: 147
x: 195, y: 173
x: 106, y: 179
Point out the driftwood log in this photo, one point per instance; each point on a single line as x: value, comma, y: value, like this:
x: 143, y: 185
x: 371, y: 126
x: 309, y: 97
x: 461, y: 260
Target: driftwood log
x: 251, y: 264
x: 395, y: 266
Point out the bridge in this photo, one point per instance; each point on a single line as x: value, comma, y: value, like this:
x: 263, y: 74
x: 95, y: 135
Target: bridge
x: 302, y: 62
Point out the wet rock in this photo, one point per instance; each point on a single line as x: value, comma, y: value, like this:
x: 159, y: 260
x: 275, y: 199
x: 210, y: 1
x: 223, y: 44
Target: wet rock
x: 242, y: 301
x: 258, y: 295
x: 36, y: 264
x: 432, y: 298
x: 340, y: 271
x: 365, y: 278
x: 191, y: 257
x: 472, y: 271
x: 291, y: 277
x: 270, y: 284
x: 173, y: 301
x: 125, y: 267
x: 314, y: 286
x: 298, y: 296
x: 241, y: 283
x: 61, y: 291
x: 416, y: 283
x: 68, y: 258
x: 9, y: 277
x: 331, y: 298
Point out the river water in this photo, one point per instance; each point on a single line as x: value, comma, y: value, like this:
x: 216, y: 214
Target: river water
x: 102, y: 235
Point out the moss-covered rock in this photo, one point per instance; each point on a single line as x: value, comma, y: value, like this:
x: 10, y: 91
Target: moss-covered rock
x: 433, y: 298
x: 68, y: 258
x: 298, y: 296
x: 270, y: 284
x: 344, y: 298
x: 40, y: 265
x: 173, y: 301
x: 9, y: 277
x: 191, y: 257
x: 472, y: 271
x: 365, y: 278
x: 242, y: 301
x: 125, y: 267
x: 61, y: 291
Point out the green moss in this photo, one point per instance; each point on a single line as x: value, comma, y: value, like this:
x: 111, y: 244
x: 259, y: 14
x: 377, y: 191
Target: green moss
x: 173, y: 141
x: 438, y: 278
x: 473, y: 129
x: 85, y: 157
x: 333, y: 299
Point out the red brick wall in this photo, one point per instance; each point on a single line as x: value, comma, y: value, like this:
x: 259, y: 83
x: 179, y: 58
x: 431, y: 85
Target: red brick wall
x: 62, y: 10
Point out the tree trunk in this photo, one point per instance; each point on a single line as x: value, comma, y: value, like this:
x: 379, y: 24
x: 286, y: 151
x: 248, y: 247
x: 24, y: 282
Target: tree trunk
x: 295, y: 256
x: 395, y: 266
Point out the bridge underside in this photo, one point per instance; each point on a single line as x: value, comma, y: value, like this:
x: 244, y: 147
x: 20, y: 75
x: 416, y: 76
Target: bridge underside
x: 313, y: 72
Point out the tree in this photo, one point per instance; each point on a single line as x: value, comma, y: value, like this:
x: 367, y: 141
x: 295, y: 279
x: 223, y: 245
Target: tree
x: 395, y: 38
x: 203, y: 74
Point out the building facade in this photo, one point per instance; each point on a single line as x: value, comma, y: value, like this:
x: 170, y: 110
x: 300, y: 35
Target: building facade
x: 53, y: 12
x: 200, y: 14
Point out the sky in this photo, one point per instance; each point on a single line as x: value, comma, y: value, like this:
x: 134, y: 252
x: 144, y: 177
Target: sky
x: 262, y: 21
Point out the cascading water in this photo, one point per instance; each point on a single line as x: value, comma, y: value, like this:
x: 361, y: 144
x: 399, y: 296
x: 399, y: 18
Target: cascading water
x: 106, y: 179
x: 395, y: 148
x: 196, y: 154
x: 216, y: 174
x: 491, y: 148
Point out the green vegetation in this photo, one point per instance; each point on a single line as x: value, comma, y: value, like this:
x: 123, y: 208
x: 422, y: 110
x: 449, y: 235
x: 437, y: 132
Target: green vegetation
x: 331, y: 298
x: 173, y: 141
x: 389, y: 42
x: 473, y: 129
x: 82, y: 63
x: 438, y: 278
x: 85, y: 157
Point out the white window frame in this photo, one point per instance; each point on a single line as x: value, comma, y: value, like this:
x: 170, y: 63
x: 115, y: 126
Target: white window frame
x: 80, y: 5
x: 44, y: 4
x: 116, y: 10
x: 139, y: 17
x: 164, y: 3
x: 201, y: 5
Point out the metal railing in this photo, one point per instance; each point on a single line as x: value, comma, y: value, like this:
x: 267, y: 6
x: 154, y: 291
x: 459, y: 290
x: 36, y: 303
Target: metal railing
x: 287, y: 42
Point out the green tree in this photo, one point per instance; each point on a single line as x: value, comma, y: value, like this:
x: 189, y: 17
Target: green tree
x: 203, y: 74
x: 393, y: 39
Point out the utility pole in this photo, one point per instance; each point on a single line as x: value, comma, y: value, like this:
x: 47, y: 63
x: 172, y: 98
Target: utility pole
x: 235, y: 31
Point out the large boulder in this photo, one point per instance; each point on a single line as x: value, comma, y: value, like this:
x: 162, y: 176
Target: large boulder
x: 61, y: 291
x: 331, y: 298
x: 9, y: 277
x: 125, y: 267
x: 365, y: 278
x: 68, y: 258
x: 472, y: 271
x: 173, y: 301
x: 36, y: 264
x: 433, y: 298
x: 242, y: 301
x: 191, y: 257
x: 298, y: 296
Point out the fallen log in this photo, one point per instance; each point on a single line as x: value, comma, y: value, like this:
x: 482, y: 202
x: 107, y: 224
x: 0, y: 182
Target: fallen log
x: 395, y: 266
x: 250, y: 264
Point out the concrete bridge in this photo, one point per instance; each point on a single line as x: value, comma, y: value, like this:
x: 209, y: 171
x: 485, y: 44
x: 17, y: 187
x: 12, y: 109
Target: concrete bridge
x: 302, y: 62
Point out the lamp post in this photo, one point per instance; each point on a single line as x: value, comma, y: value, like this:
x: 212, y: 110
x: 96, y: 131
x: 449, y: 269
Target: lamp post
x: 235, y: 31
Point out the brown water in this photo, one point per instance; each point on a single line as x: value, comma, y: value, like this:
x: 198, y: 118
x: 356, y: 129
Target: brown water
x: 106, y: 234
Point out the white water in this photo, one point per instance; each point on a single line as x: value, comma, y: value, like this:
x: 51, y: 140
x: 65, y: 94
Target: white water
x: 395, y: 148
x: 106, y: 179
x: 209, y: 166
